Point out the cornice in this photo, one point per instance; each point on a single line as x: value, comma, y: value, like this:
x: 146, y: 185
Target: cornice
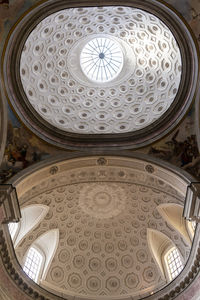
x: 9, y: 201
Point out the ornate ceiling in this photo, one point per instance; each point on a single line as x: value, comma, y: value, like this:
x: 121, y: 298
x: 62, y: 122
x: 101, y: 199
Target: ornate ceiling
x: 80, y: 101
x: 103, y: 205
x: 128, y: 100
x: 102, y: 210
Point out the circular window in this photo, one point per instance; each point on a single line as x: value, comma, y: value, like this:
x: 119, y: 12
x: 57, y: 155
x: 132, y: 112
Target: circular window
x: 101, y: 59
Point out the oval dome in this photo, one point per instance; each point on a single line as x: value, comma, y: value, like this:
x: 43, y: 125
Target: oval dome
x: 99, y: 75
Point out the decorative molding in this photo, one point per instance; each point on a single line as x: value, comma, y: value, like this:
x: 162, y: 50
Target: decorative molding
x: 101, y: 161
x: 189, y: 273
x: 90, y: 205
x: 3, y: 122
x: 68, y: 97
x: 197, y: 116
x: 71, y: 140
x: 192, y: 202
x: 53, y: 170
x: 171, y: 291
x: 9, y: 200
x: 15, y: 272
x: 149, y: 169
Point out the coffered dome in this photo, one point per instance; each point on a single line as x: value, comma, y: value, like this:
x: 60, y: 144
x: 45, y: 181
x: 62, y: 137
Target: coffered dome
x: 101, y: 70
x: 99, y: 75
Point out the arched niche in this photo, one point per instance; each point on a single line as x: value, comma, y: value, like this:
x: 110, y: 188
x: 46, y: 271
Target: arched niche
x: 173, y: 214
x: 160, y: 245
x: 47, y: 244
x: 32, y: 215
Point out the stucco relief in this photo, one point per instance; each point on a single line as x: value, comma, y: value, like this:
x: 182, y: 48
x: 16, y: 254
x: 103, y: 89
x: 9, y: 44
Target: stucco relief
x: 38, y: 150
x: 103, y: 254
x: 66, y: 98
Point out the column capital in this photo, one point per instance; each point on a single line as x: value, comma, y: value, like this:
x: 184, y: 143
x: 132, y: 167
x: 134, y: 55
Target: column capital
x: 9, y: 203
x: 191, y: 210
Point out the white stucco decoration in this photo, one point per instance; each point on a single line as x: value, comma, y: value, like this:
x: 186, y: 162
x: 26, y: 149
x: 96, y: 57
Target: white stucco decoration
x: 103, y: 220
x: 62, y: 93
x: 48, y: 242
x: 158, y: 243
x: 103, y: 207
x: 101, y: 200
x: 32, y: 215
x: 173, y: 214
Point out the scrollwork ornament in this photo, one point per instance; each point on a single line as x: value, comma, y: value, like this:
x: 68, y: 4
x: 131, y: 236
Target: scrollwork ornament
x: 101, y: 161
x: 149, y: 168
x: 53, y: 170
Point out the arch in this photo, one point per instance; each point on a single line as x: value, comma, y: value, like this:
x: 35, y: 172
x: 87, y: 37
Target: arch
x: 46, y: 245
x: 172, y: 213
x: 32, y: 215
x: 158, y: 242
x: 14, y: 230
x: 57, y: 165
x: 191, y: 226
x: 160, y: 245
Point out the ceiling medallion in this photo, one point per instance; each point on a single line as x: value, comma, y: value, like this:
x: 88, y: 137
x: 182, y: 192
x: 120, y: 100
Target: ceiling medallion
x: 101, y: 59
x: 102, y: 201
x: 101, y: 76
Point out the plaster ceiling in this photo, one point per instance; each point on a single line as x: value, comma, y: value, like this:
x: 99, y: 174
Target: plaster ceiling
x: 63, y: 94
x: 102, y: 213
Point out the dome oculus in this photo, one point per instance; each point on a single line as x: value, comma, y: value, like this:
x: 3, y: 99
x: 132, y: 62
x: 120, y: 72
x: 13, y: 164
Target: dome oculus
x: 133, y: 99
x: 144, y: 96
x: 101, y: 59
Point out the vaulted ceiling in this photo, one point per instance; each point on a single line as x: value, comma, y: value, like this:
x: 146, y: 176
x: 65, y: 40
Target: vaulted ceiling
x: 52, y: 102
